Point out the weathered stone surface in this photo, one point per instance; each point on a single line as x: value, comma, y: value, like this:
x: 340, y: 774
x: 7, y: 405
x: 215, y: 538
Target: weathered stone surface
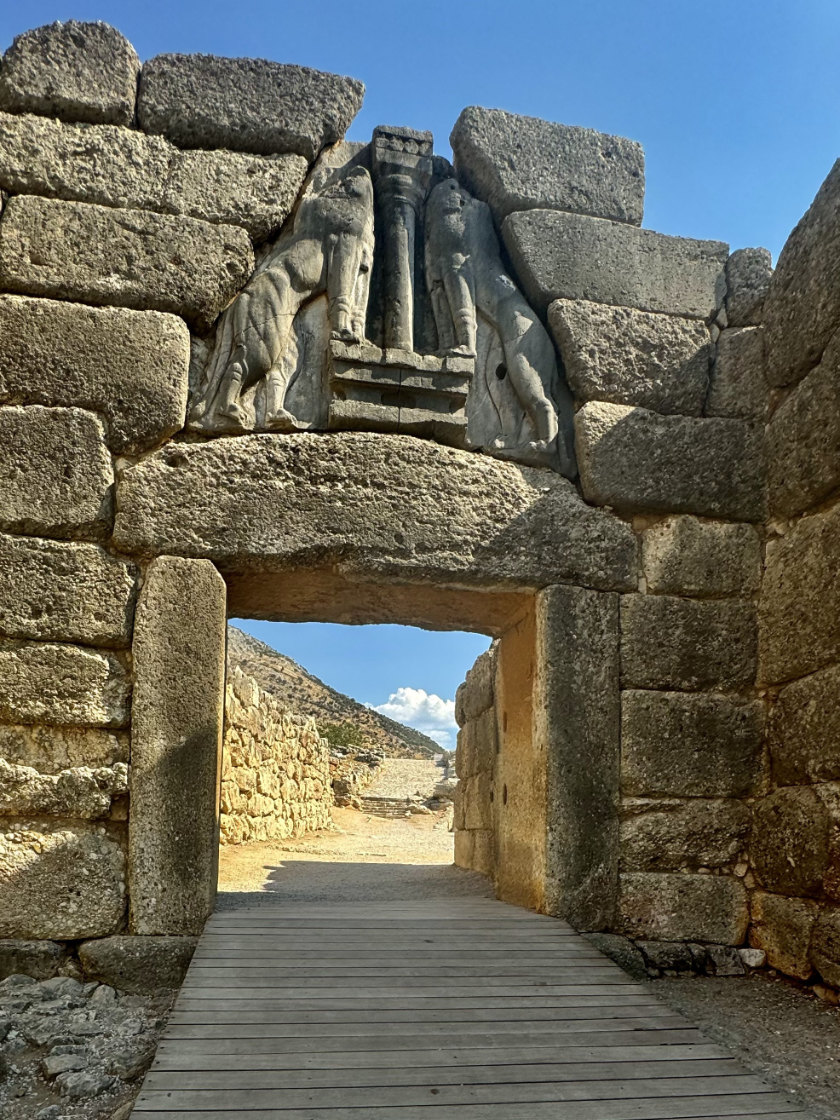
x: 669, y: 956
x: 65, y: 592
x: 569, y: 256
x: 56, y: 475
x: 739, y: 388
x: 804, y: 730
x: 577, y: 716
x: 38, y: 959
x: 513, y: 162
x: 670, y: 643
x: 803, y: 440
x: 680, y: 907
x: 59, y: 881
x: 475, y: 695
x: 118, y: 167
x: 137, y: 964
x: 130, y: 366
x: 675, y: 744
x: 782, y: 928
x: 124, y: 258
x: 75, y: 71
x: 176, y: 744
x: 672, y: 835
x: 748, y: 273
x: 802, y: 306
x: 477, y: 744
x: 82, y: 792
x: 790, y: 837
x: 638, y: 461
x: 49, y: 750
x: 633, y: 357
x: 476, y: 797
x: 392, y: 506
x: 474, y: 850
x: 799, y: 609
x: 622, y: 951
x: 245, y: 104
x: 45, y: 683
x: 825, y: 946
x: 686, y: 556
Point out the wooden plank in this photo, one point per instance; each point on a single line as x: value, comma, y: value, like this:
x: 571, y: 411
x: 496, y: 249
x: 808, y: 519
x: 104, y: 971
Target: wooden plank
x: 352, y: 971
x: 219, y: 1011
x: 410, y: 1002
x: 392, y: 988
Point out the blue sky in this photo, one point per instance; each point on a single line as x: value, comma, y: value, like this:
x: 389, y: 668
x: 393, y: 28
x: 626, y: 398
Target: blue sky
x: 736, y: 103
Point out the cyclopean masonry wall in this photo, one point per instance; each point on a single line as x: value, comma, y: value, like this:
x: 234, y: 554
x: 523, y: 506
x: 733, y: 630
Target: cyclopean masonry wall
x: 247, y: 368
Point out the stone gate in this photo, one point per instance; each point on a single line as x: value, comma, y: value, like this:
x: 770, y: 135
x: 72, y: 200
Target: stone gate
x: 248, y: 368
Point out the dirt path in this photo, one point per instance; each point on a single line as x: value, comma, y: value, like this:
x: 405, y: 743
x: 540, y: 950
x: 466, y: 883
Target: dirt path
x: 405, y: 777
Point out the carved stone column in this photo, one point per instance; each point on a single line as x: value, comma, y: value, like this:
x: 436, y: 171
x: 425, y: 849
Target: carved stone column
x: 402, y: 172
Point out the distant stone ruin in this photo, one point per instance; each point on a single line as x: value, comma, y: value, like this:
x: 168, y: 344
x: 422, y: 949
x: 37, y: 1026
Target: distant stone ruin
x: 249, y: 368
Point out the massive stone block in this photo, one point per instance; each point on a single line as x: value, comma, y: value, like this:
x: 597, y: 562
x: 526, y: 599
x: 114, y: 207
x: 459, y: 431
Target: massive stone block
x: 84, y: 793
x: 176, y: 743
x: 56, y: 475
x: 633, y: 357
x: 684, y: 907
x: 64, y: 592
x: 49, y: 750
x: 782, y: 927
x: 799, y: 609
x: 679, y: 745
x: 638, y: 461
x: 137, y: 964
x: 123, y: 258
x: 748, y: 273
x: 42, y: 682
x: 74, y: 71
x: 674, y: 835
x: 478, y: 742
x: 130, y: 366
x: 59, y: 881
x: 739, y: 388
x: 246, y: 104
x: 686, y: 556
x: 804, y: 730
x: 524, y: 163
x: 802, y: 306
x: 790, y: 840
x: 475, y: 695
x: 670, y: 643
x: 569, y: 256
x: 118, y: 167
x: 577, y: 718
x: 825, y: 946
x: 391, y: 506
x: 803, y: 440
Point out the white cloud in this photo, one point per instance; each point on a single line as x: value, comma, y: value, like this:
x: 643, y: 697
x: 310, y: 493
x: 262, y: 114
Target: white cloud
x: 423, y: 711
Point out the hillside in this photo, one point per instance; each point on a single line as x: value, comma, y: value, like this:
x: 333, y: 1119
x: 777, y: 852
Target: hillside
x: 308, y: 695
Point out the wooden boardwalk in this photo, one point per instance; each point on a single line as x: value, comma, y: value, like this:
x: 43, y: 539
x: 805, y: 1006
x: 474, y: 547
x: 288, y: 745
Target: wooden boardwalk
x: 417, y: 1011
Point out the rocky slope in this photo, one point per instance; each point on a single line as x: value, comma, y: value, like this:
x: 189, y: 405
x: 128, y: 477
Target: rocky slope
x: 338, y: 716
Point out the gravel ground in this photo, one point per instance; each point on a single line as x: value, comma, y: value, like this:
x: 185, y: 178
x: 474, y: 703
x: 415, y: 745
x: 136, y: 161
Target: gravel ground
x: 405, y: 777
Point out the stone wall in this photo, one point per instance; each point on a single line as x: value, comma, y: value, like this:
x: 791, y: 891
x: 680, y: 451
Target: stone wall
x: 275, y: 770
x: 475, y: 766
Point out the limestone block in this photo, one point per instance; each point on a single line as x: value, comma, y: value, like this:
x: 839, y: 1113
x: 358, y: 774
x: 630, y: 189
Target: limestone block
x: 790, y: 838
x: 477, y: 745
x: 782, y: 927
x: 748, y: 273
x: 671, y: 643
x: 622, y: 951
x: 570, y: 256
x: 739, y: 388
x: 799, y: 610
x: 56, y: 475
x: 82, y: 792
x: 686, y: 556
x: 65, y: 592
x: 803, y: 440
x: 825, y: 946
x: 644, y: 358
x: 477, y: 798
x: 245, y: 104
x: 124, y: 258
x: 435, y: 513
x: 577, y: 717
x: 49, y: 750
x: 464, y: 849
x: 75, y: 71
x: 39, y: 959
x: 684, y: 907
x: 513, y: 162
x: 59, y: 881
x: 802, y: 305
x: 638, y: 461
x: 176, y: 741
x: 137, y: 964
x: 131, y: 367
x: 475, y: 695
x: 42, y: 682
x: 675, y: 744
x: 804, y: 730
x: 672, y: 835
